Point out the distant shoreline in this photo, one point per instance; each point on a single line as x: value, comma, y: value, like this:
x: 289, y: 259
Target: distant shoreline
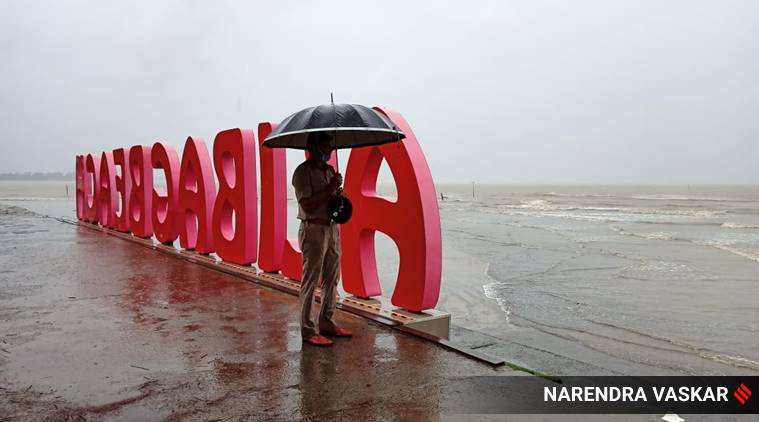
x: 37, y: 176
x: 70, y: 177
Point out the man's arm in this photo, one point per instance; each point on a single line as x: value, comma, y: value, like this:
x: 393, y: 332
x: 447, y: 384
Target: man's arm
x: 312, y: 202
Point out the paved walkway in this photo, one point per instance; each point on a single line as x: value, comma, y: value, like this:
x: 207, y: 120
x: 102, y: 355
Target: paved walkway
x: 96, y: 328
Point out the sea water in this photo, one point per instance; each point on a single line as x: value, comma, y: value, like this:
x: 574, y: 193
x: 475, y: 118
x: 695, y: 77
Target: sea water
x: 624, y: 279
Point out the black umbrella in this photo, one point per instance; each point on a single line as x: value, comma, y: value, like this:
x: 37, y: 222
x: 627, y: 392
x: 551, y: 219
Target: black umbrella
x: 349, y: 125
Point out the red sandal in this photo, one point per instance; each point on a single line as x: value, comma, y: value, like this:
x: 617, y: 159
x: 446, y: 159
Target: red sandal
x: 317, y: 340
x: 338, y: 332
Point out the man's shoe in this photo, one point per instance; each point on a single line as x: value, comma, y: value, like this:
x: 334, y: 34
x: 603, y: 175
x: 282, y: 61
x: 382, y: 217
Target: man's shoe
x: 337, y: 332
x: 317, y: 340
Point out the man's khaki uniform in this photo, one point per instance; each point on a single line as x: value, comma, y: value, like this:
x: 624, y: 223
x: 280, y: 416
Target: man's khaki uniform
x: 320, y: 243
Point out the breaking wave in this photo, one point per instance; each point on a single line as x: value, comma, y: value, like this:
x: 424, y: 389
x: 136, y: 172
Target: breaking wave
x: 752, y: 255
x: 729, y: 225
x: 665, y: 197
x: 542, y: 207
x: 649, y: 236
x: 650, y: 197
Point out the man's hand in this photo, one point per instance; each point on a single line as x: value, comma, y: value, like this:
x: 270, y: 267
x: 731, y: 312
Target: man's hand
x: 336, y: 182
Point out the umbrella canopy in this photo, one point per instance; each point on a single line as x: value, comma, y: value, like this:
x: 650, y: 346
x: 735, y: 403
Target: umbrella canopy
x: 349, y: 125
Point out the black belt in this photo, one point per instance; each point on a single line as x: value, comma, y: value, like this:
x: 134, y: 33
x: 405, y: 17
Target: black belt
x: 320, y: 221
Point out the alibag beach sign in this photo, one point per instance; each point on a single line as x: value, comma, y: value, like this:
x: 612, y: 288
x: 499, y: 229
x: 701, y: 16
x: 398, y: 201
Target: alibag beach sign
x: 115, y: 189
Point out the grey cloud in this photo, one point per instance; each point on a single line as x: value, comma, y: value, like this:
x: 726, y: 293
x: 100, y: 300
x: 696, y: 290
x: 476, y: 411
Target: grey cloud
x: 498, y: 91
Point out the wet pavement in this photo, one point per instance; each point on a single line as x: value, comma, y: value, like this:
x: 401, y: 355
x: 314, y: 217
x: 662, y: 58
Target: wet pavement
x: 97, y: 328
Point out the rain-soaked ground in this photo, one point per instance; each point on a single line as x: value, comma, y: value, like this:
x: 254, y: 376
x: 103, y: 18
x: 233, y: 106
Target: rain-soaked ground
x: 97, y: 328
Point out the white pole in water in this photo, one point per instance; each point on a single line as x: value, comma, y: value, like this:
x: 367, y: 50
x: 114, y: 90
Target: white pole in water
x: 472, y: 190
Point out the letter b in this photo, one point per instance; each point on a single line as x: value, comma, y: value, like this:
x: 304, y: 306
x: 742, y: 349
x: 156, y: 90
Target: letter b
x: 235, y: 215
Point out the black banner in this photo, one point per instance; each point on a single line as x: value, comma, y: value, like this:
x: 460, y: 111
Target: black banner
x: 603, y: 395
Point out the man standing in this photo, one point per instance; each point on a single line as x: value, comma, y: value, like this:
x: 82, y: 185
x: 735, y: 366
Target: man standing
x: 315, y: 183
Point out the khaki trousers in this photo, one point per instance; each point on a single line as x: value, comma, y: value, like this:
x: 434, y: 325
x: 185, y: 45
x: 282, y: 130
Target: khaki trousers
x: 320, y: 245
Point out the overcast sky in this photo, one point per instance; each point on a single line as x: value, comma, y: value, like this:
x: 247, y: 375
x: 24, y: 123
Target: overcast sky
x: 596, y: 91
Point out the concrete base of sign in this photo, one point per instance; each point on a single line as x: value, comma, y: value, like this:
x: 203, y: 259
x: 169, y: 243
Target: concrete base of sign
x: 431, y: 324
x: 431, y: 321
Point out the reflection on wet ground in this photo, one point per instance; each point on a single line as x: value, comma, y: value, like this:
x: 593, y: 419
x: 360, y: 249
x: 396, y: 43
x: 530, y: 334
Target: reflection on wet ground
x: 93, y: 327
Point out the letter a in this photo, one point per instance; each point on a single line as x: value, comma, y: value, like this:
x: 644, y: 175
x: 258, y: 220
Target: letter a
x: 413, y: 222
x: 107, y: 195
x: 196, y: 196
x: 140, y: 201
x: 123, y: 189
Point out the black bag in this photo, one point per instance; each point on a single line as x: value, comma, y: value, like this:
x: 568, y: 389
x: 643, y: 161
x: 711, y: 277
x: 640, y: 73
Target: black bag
x: 340, y: 209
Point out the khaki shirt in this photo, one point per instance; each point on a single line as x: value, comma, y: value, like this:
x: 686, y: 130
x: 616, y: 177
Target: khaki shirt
x: 311, y: 177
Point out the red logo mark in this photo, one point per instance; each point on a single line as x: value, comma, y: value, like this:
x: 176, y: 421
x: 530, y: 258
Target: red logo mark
x: 742, y: 394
